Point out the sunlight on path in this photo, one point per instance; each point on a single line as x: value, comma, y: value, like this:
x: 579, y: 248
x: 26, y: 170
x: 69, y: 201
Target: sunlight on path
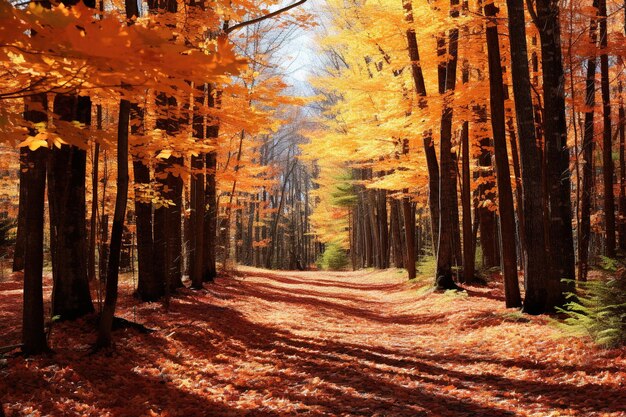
x: 325, y: 344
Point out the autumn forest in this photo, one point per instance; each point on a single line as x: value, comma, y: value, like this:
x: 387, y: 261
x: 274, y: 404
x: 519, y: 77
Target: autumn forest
x: 313, y: 207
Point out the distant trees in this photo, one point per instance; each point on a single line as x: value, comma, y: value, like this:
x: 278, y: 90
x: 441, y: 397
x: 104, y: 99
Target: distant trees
x: 532, y: 233
x: 170, y: 110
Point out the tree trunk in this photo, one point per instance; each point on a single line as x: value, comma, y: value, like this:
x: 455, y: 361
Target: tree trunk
x: 607, y: 146
x: 429, y: 149
x: 173, y: 227
x: 66, y: 198
x: 588, y: 144
x: 396, y: 234
x: 409, y: 233
x: 447, y: 180
x: 505, y: 193
x: 468, y: 246
x: 486, y: 217
x: 210, y: 220
x: 622, y: 174
x: 383, y: 228
x: 196, y: 220
x: 535, y: 259
x: 93, y: 221
x: 34, y: 177
x: 121, y: 199
x: 210, y: 224
x: 519, y: 197
x: 150, y: 283
x: 469, y: 254
x: 560, y: 217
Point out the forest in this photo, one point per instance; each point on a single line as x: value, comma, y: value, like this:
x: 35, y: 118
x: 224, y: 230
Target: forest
x: 312, y: 207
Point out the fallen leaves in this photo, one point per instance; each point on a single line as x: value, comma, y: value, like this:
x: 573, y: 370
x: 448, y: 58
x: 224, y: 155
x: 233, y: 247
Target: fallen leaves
x: 315, y: 343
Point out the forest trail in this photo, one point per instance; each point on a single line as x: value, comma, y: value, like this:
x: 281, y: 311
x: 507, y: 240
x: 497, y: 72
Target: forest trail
x: 268, y: 343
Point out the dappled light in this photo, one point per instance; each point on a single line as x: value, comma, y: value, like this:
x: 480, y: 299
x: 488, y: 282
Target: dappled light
x: 371, y: 208
x: 318, y: 343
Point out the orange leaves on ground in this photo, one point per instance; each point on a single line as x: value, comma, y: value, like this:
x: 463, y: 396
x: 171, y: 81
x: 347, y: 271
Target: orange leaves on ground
x: 315, y: 343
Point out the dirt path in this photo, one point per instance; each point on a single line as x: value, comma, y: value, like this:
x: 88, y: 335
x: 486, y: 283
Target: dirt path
x: 324, y: 344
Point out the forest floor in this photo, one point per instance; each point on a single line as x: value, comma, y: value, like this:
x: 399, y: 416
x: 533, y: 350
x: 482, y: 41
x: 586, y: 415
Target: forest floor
x: 261, y: 343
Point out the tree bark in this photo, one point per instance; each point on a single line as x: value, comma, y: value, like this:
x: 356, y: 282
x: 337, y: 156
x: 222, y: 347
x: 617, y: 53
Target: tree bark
x: 150, y: 283
x: 486, y: 217
x: 34, y: 177
x: 196, y: 220
x: 505, y: 193
x: 66, y: 198
x: 588, y: 144
x: 622, y: 174
x: 447, y: 181
x: 396, y: 234
x: 468, y: 246
x: 93, y: 221
x: 210, y: 220
x: 429, y: 149
x: 535, y: 259
x: 119, y: 214
x: 466, y: 201
x: 560, y: 213
x: 607, y: 146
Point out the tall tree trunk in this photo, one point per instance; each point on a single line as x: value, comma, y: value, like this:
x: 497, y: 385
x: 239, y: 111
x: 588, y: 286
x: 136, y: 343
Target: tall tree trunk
x: 383, y: 227
x: 119, y: 214
x: 173, y: 227
x: 34, y: 177
x: 196, y: 219
x: 622, y: 173
x: 468, y: 244
x: 210, y: 220
x: 447, y: 180
x: 466, y: 200
x: 519, y: 196
x: 396, y: 234
x: 535, y: 259
x: 150, y: 282
x: 373, y: 216
x: 93, y: 221
x: 429, y: 148
x: 588, y: 144
x: 409, y: 233
x: 505, y: 193
x: 456, y: 221
x: 66, y: 197
x: 607, y: 146
x: 210, y: 225
x: 560, y: 233
x: 486, y: 217
x: 622, y: 161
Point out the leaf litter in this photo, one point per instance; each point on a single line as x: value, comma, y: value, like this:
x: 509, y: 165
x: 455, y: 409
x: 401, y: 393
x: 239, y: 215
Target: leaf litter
x: 313, y: 343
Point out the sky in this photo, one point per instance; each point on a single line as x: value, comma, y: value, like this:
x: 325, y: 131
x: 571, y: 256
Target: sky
x: 299, y: 56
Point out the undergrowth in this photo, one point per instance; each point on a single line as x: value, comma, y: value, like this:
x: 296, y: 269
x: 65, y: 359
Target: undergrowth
x: 334, y: 258
x: 598, y: 310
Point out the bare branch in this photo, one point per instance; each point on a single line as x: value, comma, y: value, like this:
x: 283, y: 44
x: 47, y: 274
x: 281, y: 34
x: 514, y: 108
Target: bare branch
x: 261, y: 18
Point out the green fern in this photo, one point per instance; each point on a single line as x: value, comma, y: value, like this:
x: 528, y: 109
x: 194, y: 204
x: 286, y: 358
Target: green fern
x: 599, y: 311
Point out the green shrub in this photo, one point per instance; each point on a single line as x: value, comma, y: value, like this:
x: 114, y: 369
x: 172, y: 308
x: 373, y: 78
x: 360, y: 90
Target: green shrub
x: 608, y: 264
x: 334, y: 258
x: 599, y: 311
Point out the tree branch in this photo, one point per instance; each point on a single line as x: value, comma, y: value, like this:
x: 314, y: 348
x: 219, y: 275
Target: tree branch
x: 261, y: 18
